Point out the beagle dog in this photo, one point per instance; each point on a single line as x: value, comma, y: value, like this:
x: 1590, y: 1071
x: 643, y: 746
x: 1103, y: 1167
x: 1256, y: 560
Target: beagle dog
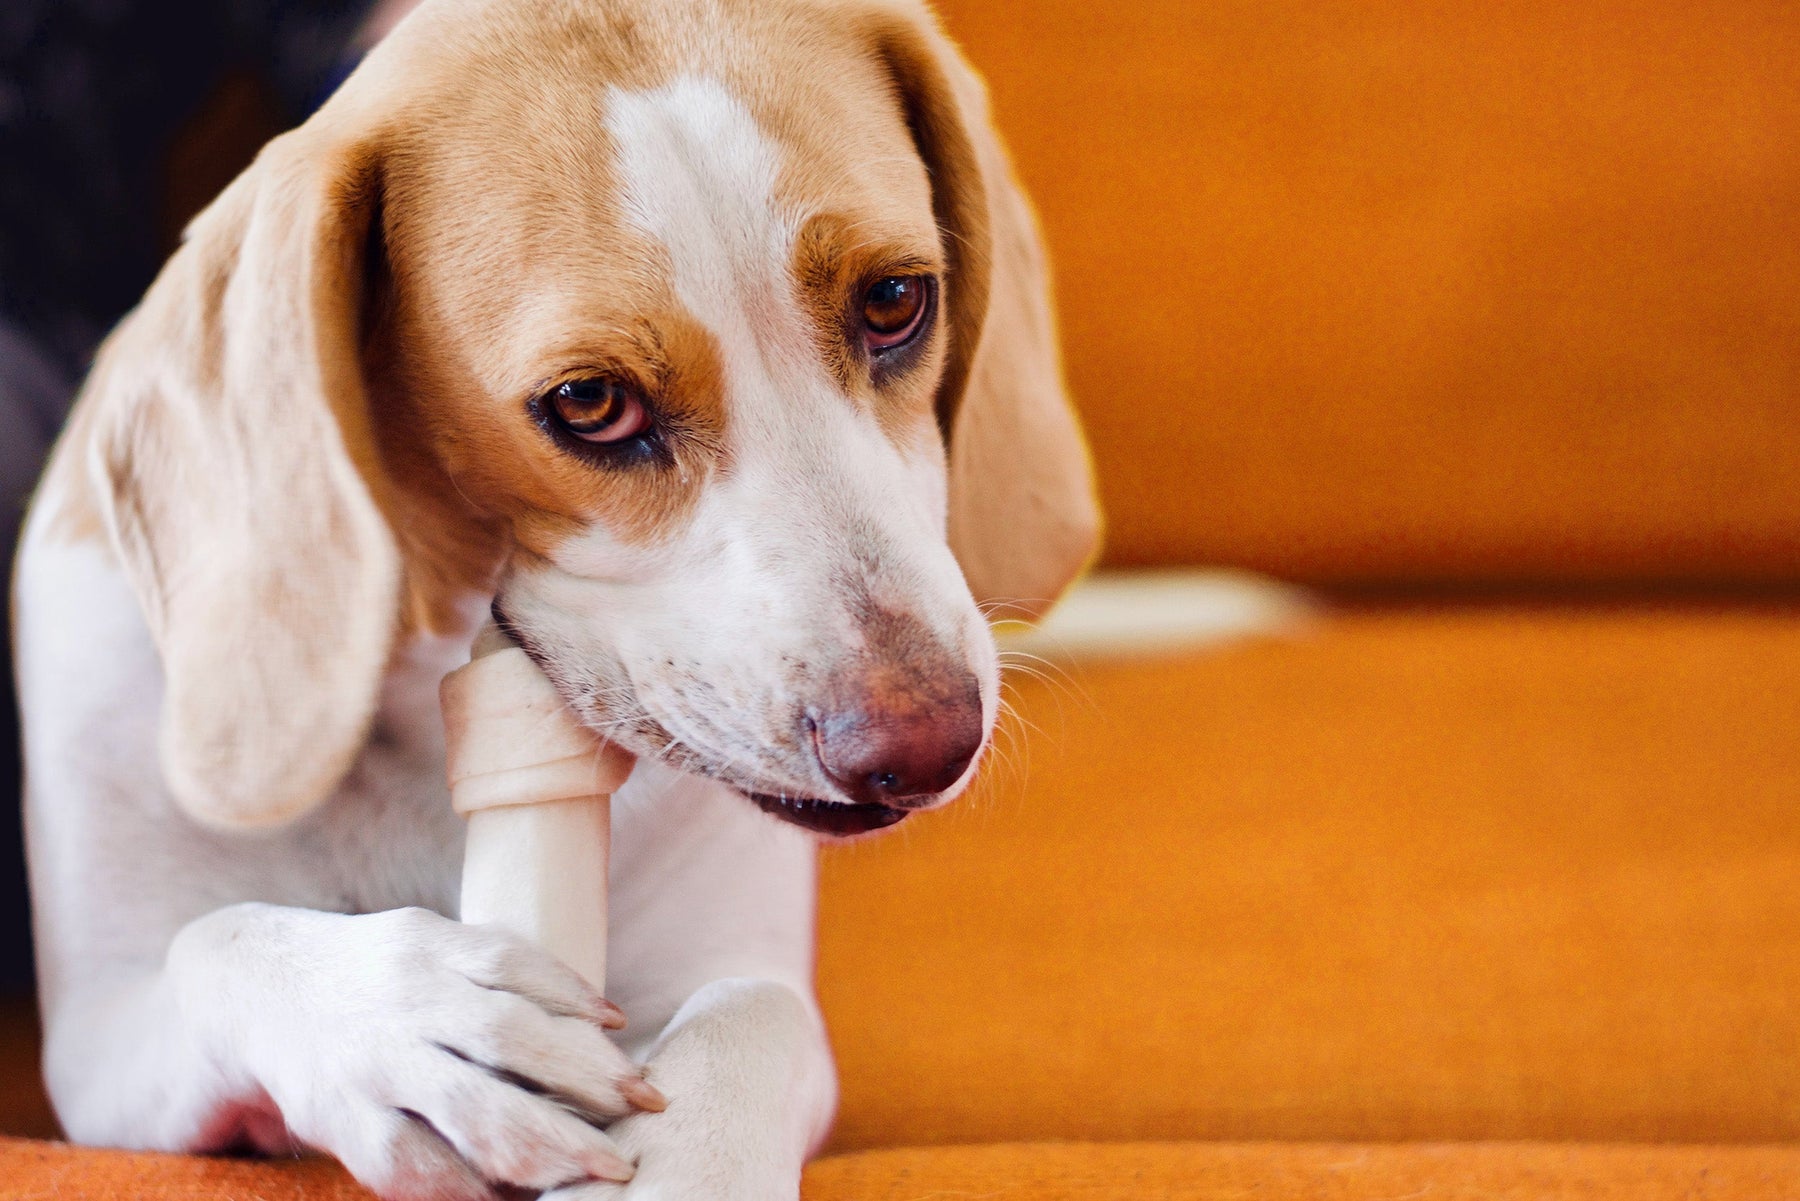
x: 705, y: 343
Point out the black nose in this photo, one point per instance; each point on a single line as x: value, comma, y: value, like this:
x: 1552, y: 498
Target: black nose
x: 900, y: 747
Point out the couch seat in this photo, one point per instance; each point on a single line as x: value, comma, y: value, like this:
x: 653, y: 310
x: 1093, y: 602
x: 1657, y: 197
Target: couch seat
x: 1412, y: 872
x: 36, y: 1171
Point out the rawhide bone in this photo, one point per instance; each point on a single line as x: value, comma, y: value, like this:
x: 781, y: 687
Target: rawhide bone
x: 536, y: 788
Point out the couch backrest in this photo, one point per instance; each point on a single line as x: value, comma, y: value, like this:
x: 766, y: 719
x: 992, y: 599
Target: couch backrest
x: 1507, y: 291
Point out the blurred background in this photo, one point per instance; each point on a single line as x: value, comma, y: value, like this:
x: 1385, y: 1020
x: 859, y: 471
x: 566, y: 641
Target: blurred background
x: 119, y: 119
x: 1478, y: 323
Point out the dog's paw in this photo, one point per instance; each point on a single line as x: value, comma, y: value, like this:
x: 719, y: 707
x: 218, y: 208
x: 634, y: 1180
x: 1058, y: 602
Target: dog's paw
x: 435, y: 1059
x: 749, y: 1081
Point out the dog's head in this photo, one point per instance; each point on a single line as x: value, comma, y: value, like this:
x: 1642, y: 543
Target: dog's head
x: 652, y: 321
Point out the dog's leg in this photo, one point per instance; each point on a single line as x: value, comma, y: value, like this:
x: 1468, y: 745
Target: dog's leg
x: 711, y: 951
x: 197, y: 991
x: 429, y: 1056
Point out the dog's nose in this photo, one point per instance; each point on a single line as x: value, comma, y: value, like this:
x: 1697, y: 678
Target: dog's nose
x: 900, y: 752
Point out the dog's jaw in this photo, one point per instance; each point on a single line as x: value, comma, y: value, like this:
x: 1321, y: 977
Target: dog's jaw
x: 837, y: 819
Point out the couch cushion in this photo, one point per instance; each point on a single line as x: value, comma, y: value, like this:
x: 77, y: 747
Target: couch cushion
x: 47, y: 1171
x: 1402, y: 289
x: 1317, y: 1172
x: 1047, y: 1172
x: 1477, y: 873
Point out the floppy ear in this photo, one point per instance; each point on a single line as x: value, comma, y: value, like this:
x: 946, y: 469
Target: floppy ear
x: 238, y: 475
x: 1023, y: 516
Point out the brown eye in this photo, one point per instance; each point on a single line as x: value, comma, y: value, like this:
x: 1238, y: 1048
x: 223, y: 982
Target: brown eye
x: 894, y: 310
x: 600, y: 410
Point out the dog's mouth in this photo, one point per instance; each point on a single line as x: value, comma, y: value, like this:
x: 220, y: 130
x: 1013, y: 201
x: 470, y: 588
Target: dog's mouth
x: 834, y: 819
x: 838, y: 819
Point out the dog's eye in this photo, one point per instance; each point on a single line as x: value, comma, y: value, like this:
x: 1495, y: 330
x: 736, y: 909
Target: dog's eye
x: 894, y: 309
x: 600, y: 410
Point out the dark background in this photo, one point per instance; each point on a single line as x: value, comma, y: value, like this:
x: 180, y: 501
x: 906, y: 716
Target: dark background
x: 118, y: 120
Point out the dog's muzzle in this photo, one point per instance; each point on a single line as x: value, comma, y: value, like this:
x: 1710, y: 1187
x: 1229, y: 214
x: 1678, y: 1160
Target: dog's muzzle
x: 902, y: 743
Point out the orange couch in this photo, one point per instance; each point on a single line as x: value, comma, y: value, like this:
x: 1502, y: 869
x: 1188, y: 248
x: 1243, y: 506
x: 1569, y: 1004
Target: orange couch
x: 1482, y: 884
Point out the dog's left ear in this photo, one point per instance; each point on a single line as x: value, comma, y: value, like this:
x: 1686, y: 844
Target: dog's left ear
x: 240, y: 483
x: 1023, y: 516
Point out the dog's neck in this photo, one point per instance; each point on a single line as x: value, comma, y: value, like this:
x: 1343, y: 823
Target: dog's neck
x: 422, y: 658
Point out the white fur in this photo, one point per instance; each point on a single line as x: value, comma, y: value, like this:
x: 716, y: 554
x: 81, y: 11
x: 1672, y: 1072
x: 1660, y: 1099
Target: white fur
x: 305, y: 984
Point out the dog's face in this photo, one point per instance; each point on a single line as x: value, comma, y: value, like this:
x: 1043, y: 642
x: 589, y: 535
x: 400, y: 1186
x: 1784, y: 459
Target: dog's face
x: 692, y: 357
x: 652, y: 321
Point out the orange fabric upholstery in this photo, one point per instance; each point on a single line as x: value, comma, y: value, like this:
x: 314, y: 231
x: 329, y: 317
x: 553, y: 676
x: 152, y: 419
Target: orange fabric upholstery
x: 43, y: 1171
x: 1342, y: 1172
x: 1504, y: 873
x: 1048, y: 1172
x: 1365, y: 289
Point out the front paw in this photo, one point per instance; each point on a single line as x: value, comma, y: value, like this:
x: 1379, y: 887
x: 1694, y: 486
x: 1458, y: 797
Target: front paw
x: 436, y: 1060
x: 750, y: 1089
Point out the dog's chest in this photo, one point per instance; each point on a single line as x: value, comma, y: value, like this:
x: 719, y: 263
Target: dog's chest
x: 389, y: 838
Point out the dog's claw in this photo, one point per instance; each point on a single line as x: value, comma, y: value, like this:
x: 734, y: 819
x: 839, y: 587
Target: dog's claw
x: 613, y: 1168
x: 610, y: 1016
x: 641, y: 1093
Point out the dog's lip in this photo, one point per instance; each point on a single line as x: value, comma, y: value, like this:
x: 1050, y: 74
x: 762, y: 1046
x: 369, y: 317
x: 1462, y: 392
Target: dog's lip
x: 839, y: 819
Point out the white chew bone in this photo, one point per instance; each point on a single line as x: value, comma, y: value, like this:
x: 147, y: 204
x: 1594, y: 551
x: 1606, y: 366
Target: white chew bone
x: 536, y: 787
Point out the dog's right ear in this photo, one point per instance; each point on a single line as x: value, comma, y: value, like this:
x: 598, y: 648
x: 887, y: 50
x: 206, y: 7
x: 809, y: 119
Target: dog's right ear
x: 239, y: 480
x: 1023, y: 518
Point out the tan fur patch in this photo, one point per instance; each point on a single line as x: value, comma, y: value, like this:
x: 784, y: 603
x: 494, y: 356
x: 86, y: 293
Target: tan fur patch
x: 65, y: 492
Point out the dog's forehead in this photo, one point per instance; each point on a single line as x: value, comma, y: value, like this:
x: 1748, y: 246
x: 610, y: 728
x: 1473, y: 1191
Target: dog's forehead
x: 573, y: 200
x: 725, y: 204
x: 694, y: 174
